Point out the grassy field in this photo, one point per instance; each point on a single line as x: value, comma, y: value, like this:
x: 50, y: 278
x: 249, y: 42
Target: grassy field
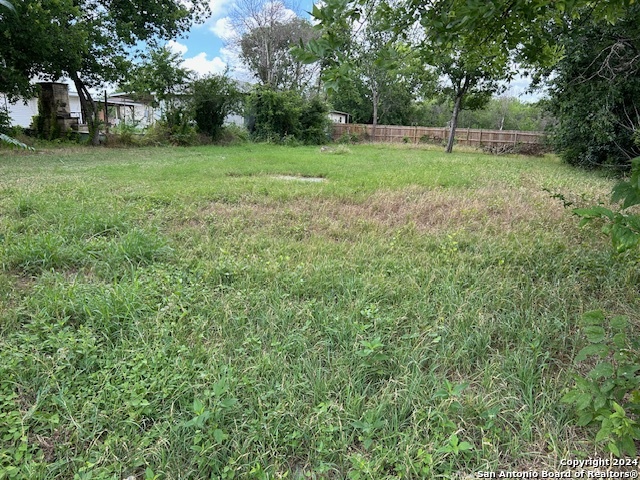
x: 196, y: 313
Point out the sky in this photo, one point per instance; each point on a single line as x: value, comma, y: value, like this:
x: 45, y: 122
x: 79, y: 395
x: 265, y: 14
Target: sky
x: 206, y: 48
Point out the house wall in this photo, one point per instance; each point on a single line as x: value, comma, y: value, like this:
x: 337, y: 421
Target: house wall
x: 22, y: 114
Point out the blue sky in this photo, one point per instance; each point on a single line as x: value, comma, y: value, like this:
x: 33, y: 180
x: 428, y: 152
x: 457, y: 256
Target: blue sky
x: 205, y: 49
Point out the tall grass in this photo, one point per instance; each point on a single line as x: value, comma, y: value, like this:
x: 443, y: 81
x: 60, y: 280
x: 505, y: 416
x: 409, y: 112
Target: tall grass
x: 185, y: 313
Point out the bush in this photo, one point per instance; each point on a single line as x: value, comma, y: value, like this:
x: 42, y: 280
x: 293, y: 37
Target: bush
x: 274, y: 115
x: 315, y: 122
x: 233, y: 135
x: 281, y: 117
x: 124, y: 134
x: 594, y: 94
x: 213, y: 98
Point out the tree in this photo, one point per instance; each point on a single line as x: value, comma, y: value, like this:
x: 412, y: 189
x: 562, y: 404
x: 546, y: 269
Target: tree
x: 212, y: 98
x: 266, y: 31
x: 283, y: 115
x: 472, y: 69
x: 159, y: 76
x: 473, y: 75
x: 595, y: 93
x: 88, y: 41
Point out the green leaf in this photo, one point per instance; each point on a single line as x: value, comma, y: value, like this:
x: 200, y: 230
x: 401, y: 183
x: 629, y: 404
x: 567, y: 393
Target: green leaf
x: 219, y: 387
x: 626, y: 192
x: 599, y: 401
x: 14, y: 143
x: 585, y: 419
x: 570, y: 397
x: 198, y: 406
x: 604, y: 369
x: 620, y: 340
x: 613, y: 448
x: 628, y: 370
x: 619, y: 410
x: 594, y: 334
x: 594, y: 349
x: 594, y: 212
x: 619, y: 322
x: 602, y: 434
x: 465, y: 446
x: 594, y: 317
x: 583, y: 400
x: 228, y: 402
x: 628, y: 446
x: 219, y: 435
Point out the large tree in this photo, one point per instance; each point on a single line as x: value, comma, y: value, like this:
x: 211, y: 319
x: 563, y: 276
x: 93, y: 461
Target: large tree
x: 159, y: 76
x: 265, y: 31
x: 595, y: 92
x: 470, y: 70
x: 89, y: 41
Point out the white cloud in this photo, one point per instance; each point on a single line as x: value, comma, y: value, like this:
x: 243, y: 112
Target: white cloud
x: 223, y: 28
x: 218, y: 7
x: 176, y: 47
x: 202, y: 66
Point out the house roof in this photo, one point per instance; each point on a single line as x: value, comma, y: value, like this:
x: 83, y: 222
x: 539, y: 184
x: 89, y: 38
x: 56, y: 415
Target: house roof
x: 339, y: 113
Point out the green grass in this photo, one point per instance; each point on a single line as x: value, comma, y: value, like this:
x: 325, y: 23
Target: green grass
x: 184, y: 313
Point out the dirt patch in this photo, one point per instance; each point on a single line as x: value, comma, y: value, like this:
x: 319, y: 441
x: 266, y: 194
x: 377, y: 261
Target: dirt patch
x: 299, y: 179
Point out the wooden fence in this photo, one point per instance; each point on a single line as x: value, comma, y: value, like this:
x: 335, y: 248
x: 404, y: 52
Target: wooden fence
x: 464, y: 136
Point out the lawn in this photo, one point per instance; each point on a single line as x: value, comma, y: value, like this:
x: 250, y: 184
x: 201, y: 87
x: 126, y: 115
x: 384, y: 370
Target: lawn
x: 210, y: 312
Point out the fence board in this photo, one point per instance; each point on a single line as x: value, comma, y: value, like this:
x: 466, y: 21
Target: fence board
x: 464, y: 136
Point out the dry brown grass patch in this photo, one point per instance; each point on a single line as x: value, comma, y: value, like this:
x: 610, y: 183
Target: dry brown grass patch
x: 493, y: 209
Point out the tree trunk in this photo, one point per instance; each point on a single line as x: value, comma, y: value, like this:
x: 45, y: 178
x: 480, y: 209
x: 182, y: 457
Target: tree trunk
x: 454, y: 121
x: 89, y: 109
x: 376, y: 98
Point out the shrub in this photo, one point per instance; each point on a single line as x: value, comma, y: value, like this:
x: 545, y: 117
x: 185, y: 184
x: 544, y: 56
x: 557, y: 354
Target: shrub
x: 314, y: 122
x: 213, y: 98
x: 595, y: 92
x: 233, y: 135
x: 609, y: 395
x: 283, y: 116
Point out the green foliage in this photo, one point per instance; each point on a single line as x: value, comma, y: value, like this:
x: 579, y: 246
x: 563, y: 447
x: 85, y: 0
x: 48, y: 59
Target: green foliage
x: 87, y: 41
x: 212, y: 99
x: 500, y: 113
x: 233, y: 135
x: 287, y: 116
x: 12, y: 142
x: 595, y: 90
x: 314, y: 122
x: 176, y: 126
x: 5, y: 120
x: 158, y: 78
x: 189, y: 313
x: 623, y: 225
x: 609, y: 395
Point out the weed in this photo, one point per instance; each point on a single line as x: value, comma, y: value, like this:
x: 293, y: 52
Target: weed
x: 184, y: 313
x: 609, y: 395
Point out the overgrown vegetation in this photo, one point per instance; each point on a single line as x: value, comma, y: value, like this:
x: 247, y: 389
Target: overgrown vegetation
x: 287, y: 117
x: 595, y: 92
x: 206, y: 313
